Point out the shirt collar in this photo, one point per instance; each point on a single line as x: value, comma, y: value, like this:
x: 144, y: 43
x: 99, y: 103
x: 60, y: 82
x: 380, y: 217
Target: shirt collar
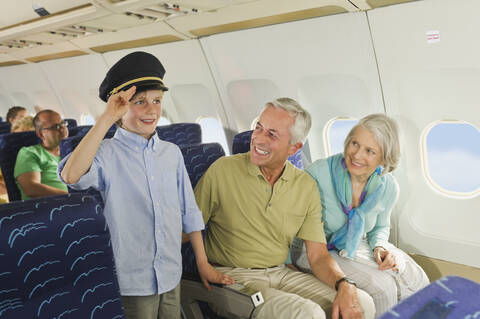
x: 135, y: 141
x: 254, y: 170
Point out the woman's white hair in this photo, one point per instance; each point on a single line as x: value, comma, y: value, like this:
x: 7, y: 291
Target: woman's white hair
x: 385, y: 130
x: 303, y: 120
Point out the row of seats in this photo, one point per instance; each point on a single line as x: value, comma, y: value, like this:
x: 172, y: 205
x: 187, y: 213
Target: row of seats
x: 178, y: 133
x: 10, y: 144
x: 56, y: 261
x: 5, y: 127
x: 55, y: 253
x: 15, y: 302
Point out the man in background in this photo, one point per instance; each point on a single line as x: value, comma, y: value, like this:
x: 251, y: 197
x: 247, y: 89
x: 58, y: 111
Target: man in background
x: 15, y: 113
x: 36, y: 165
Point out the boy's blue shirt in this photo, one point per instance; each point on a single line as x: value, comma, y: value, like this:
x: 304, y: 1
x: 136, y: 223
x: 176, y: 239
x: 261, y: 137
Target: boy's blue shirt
x: 149, y: 201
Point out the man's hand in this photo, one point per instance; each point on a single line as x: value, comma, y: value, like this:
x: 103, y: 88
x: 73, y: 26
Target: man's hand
x: 385, y: 259
x: 292, y: 267
x: 346, y: 303
x: 210, y: 274
x: 118, y: 103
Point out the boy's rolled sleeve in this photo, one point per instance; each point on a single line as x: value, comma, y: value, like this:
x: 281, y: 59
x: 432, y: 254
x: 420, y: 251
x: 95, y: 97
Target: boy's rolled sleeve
x: 89, y: 179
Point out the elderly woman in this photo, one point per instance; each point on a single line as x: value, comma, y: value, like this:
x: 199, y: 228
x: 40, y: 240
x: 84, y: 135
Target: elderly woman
x: 358, y: 194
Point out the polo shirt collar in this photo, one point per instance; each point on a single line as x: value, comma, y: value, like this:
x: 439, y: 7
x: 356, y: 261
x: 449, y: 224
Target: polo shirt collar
x: 254, y: 170
x: 135, y: 141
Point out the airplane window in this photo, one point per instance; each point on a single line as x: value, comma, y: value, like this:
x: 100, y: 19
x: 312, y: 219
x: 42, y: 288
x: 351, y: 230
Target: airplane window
x: 163, y: 121
x: 212, y: 131
x: 190, y: 102
x: 335, y: 133
x: 451, y: 156
x: 87, y: 119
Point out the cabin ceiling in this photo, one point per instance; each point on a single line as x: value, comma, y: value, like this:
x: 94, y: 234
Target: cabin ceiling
x: 39, y: 30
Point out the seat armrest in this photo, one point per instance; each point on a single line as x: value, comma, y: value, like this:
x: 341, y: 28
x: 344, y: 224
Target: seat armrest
x: 235, y: 299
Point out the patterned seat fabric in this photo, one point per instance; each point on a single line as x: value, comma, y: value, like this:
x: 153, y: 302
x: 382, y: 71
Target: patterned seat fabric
x: 56, y: 260
x: 5, y: 127
x: 198, y: 159
x: 181, y: 133
x: 177, y: 133
x: 79, y: 130
x: 10, y: 144
x: 71, y: 123
x: 67, y: 145
x: 449, y: 297
x: 241, y: 144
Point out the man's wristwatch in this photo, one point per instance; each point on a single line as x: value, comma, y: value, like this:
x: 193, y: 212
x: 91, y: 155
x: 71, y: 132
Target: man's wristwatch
x: 339, y: 281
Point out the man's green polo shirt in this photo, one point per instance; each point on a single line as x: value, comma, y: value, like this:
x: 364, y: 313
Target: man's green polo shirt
x: 36, y: 158
x: 251, y: 224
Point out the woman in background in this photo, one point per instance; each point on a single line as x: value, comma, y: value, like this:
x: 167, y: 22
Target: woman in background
x: 22, y: 125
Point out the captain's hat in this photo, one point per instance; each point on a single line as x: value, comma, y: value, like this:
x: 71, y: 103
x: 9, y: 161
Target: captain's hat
x: 141, y: 69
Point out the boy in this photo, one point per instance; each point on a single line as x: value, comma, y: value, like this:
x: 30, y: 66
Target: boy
x: 146, y: 189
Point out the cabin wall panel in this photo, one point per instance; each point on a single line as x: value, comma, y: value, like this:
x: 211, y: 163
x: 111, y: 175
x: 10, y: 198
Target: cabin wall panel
x: 26, y: 85
x: 326, y: 63
x: 424, y: 81
x: 75, y: 80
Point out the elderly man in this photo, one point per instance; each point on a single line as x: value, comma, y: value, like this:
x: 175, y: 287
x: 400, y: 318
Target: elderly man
x: 36, y: 166
x: 255, y: 204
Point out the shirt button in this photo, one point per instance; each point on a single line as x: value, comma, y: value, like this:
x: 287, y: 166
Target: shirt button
x: 269, y: 204
x: 152, y: 178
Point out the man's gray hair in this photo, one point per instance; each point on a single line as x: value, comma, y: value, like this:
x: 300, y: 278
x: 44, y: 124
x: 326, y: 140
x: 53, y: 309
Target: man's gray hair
x: 303, y: 120
x: 385, y: 130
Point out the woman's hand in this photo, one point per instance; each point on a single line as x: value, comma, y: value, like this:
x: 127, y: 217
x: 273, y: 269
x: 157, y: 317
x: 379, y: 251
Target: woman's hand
x: 118, y: 104
x: 292, y: 267
x: 385, y: 259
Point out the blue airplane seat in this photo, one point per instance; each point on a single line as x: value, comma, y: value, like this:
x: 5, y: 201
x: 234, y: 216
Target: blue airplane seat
x: 5, y: 127
x: 449, y: 297
x: 241, y: 144
x: 198, y: 159
x: 1, y: 119
x: 10, y: 144
x: 56, y: 260
x: 180, y: 133
x: 67, y: 145
x: 71, y: 123
x: 195, y: 297
x: 79, y: 130
x: 83, y: 129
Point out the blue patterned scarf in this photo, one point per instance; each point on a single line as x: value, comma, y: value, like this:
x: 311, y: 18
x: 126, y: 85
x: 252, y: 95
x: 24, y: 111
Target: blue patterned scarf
x: 350, y: 234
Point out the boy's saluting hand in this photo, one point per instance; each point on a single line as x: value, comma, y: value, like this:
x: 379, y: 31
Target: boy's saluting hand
x: 118, y: 103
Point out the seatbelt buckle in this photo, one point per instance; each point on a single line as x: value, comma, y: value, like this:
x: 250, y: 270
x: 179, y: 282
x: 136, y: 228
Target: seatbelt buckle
x: 255, y: 295
x: 257, y: 299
